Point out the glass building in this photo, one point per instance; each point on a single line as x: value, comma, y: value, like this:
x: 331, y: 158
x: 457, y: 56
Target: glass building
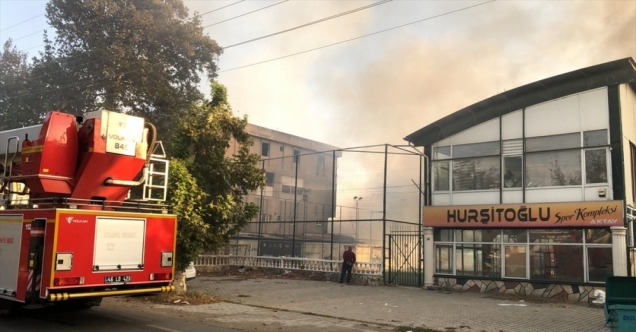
x: 531, y: 190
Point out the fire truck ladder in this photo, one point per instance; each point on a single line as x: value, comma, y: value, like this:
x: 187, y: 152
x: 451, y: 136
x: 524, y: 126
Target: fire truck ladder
x: 156, y: 184
x: 9, y: 190
x: 8, y: 163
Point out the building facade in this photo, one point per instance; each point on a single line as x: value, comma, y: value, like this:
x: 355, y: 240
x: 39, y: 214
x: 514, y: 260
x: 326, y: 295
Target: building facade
x: 531, y: 189
x: 297, y: 201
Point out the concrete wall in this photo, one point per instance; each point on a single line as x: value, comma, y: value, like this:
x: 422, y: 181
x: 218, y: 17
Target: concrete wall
x: 356, y: 279
x: 627, y: 97
x: 562, y: 292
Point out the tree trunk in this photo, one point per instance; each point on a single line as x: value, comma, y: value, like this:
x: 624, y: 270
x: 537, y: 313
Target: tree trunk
x: 179, y: 282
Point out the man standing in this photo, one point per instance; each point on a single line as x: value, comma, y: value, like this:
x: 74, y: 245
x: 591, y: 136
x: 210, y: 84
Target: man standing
x: 348, y: 259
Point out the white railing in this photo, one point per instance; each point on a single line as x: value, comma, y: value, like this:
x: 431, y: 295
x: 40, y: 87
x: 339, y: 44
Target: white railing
x: 289, y: 263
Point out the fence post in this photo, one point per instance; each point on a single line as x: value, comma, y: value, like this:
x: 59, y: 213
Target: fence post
x: 386, y: 156
x: 333, y: 199
x: 260, y: 218
x: 297, y: 159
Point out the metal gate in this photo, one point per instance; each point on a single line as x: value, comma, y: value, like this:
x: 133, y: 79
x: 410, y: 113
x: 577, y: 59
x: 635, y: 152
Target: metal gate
x: 403, y: 253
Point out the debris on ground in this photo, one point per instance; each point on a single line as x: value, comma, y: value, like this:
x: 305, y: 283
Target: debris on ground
x: 187, y: 298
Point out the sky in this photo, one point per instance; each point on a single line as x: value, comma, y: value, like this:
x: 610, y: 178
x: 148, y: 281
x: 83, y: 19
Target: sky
x: 380, y: 88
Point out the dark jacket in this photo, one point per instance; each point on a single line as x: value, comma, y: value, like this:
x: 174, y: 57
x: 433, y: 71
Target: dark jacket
x: 349, y: 257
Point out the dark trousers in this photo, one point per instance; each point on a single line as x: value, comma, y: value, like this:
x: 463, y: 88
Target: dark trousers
x: 346, y: 268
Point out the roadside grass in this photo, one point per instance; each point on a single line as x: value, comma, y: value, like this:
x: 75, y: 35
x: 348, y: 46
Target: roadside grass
x: 189, y: 297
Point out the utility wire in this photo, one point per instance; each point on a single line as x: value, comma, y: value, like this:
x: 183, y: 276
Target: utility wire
x: 360, y: 37
x: 213, y: 10
x: 30, y: 48
x: 254, y: 11
x: 31, y: 34
x: 67, y: 60
x: 277, y: 33
x: 27, y: 20
x: 93, y: 81
x: 310, y: 23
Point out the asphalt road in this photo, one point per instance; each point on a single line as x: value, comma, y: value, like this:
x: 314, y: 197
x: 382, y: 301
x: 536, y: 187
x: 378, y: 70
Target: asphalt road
x: 112, y: 315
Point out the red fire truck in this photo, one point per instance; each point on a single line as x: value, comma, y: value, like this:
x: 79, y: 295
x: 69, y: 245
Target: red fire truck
x: 69, y: 234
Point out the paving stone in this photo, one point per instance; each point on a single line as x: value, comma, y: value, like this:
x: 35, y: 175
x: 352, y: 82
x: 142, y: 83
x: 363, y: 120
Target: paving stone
x: 405, y: 306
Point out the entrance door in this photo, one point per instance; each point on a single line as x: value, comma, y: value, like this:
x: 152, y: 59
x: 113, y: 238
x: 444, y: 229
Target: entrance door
x: 403, y: 264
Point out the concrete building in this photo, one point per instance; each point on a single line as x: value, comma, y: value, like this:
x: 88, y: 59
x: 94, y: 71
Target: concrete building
x: 531, y: 189
x: 298, y: 198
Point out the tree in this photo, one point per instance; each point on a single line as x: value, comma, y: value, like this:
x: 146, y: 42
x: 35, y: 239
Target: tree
x: 143, y: 57
x: 15, y: 71
x: 207, y: 184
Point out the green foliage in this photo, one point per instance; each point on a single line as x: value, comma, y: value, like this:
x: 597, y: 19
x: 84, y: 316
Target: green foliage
x: 15, y: 106
x: 139, y: 56
x: 201, y: 142
x: 187, y: 200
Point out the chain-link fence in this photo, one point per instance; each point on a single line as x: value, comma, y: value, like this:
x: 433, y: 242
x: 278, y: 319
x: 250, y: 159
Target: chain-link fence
x: 315, y: 205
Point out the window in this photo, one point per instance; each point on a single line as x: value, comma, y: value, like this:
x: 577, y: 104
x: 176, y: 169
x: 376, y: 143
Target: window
x: 475, y: 253
x: 443, y: 235
x: 513, y: 170
x: 441, y: 152
x: 478, y: 235
x: 297, y: 156
x: 553, y: 169
x: 572, y: 255
x: 476, y: 174
x: 556, y: 263
x: 476, y: 149
x: 479, y: 260
x: 595, y: 166
x: 288, y: 189
x: 269, y: 179
x: 599, y: 263
x: 595, y: 138
x: 556, y: 236
x: 444, y: 259
x: 553, y: 142
x: 265, y: 149
x: 515, y: 262
x: 321, y: 165
x: 598, y: 235
x: 515, y: 235
x: 441, y: 176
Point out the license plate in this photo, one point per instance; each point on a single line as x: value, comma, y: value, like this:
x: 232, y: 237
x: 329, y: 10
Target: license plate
x: 117, y: 279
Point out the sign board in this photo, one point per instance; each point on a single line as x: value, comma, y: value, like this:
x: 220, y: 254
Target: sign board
x: 533, y: 215
x: 119, y: 243
x: 123, y: 133
x: 10, y: 241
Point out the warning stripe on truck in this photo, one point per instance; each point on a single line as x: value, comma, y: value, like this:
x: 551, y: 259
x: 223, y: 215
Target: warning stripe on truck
x: 57, y: 297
